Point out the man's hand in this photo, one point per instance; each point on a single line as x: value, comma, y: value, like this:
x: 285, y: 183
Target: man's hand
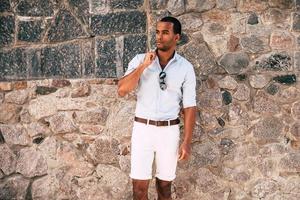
x: 184, y: 151
x: 150, y: 56
x: 127, y: 83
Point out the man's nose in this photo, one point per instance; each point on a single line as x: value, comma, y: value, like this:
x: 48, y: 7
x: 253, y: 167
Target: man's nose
x: 158, y: 36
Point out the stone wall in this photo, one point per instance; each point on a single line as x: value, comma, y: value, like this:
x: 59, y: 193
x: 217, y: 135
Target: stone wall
x: 66, y: 135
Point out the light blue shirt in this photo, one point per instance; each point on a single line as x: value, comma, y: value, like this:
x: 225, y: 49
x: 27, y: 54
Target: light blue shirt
x: 156, y: 104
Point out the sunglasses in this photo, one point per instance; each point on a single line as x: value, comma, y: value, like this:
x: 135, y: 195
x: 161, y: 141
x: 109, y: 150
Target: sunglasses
x: 162, y: 83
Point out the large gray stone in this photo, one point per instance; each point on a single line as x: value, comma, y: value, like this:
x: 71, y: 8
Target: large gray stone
x: 7, y: 30
x: 82, y: 90
x: 234, y: 63
x: 65, y: 27
x: 15, y: 135
x: 254, y: 44
x: 48, y: 149
x: 99, y: 6
x: 200, y: 5
x: 5, y: 6
x: 226, y: 4
x: 91, y: 129
x: 31, y: 163
x: 228, y: 83
x: 96, y: 116
x: 205, y: 154
x: 9, y: 113
x: 30, y: 31
x: 18, y: 96
x: 258, y: 81
x: 268, y: 129
x: 13, y: 63
x: 108, y: 181
x: 63, y: 60
x: 68, y: 156
x: 90, y: 188
x: 126, y: 4
x: 210, y: 99
x: 35, y: 8
x: 119, y: 22
x: 206, y: 181
x: 38, y: 129
x: 88, y: 65
x: 120, y: 119
x: 200, y: 56
x: 158, y: 4
x: 42, y: 107
x: 14, y: 188
x: 242, y: 93
x: 191, y: 21
x: 34, y: 63
x: 133, y: 44
x: 81, y: 10
x: 45, y: 187
x: 104, y: 150
x: 61, y: 123
x: 106, y: 58
x: 8, y: 160
x: 236, y: 174
x: 176, y: 7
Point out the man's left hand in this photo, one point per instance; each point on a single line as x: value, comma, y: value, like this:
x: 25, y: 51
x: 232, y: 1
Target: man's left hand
x: 184, y: 151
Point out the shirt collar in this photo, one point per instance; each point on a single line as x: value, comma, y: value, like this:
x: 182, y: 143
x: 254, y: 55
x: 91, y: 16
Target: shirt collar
x: 174, y: 57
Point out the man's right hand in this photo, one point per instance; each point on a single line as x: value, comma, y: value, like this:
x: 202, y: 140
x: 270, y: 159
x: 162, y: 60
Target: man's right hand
x: 129, y: 82
x: 149, y: 57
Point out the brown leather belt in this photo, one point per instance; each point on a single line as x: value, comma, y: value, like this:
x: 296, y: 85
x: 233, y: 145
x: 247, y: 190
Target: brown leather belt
x: 157, y: 123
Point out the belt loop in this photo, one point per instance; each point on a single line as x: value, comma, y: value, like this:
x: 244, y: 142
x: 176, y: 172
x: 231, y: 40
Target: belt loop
x: 169, y: 122
x: 148, y: 122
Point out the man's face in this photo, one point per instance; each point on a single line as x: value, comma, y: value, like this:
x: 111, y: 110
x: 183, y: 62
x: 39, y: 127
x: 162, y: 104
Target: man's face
x: 165, y: 36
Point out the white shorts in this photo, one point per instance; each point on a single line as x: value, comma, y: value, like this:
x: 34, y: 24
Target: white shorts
x: 149, y: 140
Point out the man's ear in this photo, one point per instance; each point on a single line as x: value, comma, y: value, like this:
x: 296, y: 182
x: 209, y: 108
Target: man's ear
x: 177, y: 37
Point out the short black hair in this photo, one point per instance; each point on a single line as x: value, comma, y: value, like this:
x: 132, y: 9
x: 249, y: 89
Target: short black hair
x: 176, y: 24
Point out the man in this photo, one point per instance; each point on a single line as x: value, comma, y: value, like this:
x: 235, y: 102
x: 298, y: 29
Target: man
x: 164, y: 80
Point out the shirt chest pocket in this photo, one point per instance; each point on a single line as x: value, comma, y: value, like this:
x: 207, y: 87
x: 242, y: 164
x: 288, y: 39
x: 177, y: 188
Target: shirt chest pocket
x: 174, y: 84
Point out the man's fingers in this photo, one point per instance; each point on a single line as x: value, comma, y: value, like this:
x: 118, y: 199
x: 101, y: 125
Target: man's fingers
x: 182, y: 155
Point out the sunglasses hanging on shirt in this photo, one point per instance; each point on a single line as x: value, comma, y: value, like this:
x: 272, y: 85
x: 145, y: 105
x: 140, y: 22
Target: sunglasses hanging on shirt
x: 162, y: 83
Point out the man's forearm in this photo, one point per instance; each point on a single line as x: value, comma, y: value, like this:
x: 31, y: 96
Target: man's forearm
x: 189, y: 123
x: 129, y: 82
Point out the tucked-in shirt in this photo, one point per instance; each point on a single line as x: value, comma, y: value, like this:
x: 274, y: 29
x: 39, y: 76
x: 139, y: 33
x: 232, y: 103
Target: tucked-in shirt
x: 157, y: 104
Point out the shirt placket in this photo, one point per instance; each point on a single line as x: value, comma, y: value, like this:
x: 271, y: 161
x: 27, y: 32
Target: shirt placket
x: 157, y: 110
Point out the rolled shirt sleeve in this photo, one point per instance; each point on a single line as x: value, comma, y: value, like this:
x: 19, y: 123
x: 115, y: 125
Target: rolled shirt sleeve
x: 189, y: 88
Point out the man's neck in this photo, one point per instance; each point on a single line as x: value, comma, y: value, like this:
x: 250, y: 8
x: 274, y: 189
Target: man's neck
x: 165, y: 56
